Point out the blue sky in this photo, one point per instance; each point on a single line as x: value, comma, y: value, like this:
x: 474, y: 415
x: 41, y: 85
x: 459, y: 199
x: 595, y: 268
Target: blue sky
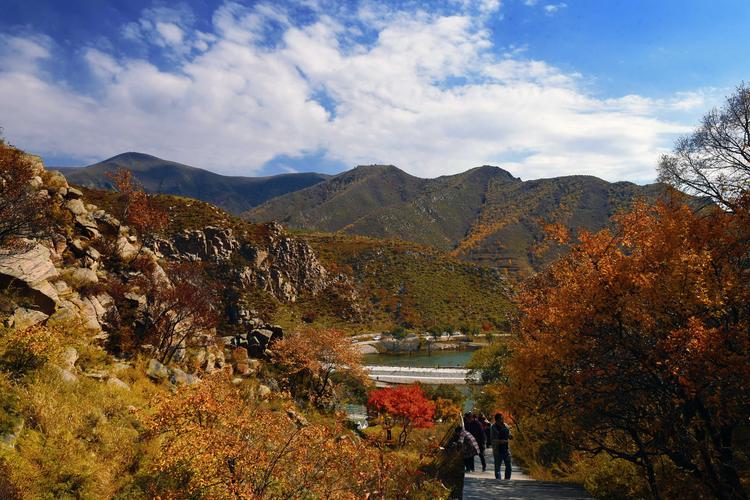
x: 541, y: 88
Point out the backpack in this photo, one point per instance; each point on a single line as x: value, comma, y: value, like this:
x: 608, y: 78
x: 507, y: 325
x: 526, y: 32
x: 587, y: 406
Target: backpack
x: 468, y: 447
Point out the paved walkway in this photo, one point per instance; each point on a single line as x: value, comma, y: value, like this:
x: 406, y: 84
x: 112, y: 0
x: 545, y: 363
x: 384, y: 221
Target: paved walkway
x: 483, y: 485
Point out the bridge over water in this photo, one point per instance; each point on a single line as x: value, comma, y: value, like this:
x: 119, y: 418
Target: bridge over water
x: 425, y: 375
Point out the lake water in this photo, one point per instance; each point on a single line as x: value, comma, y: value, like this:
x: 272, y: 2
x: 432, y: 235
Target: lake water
x: 422, y: 359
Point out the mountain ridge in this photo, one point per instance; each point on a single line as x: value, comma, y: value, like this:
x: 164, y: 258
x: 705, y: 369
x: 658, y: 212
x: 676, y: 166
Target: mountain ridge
x: 484, y: 215
x: 158, y: 176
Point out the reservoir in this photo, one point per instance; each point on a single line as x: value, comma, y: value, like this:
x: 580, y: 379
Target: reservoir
x: 443, y: 359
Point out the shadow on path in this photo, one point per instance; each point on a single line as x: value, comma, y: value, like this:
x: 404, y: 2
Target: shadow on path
x: 483, y: 485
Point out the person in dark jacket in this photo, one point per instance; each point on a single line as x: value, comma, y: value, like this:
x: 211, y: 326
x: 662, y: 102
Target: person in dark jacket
x: 500, y: 439
x: 486, y: 428
x: 475, y: 429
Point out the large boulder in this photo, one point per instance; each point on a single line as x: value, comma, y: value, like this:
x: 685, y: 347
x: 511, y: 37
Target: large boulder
x: 156, y: 370
x: 116, y: 383
x: 74, y: 193
x: 83, y: 277
x: 124, y: 249
x: 55, y: 182
x: 65, y: 375
x: 76, y: 207
x: 32, y: 265
x: 24, y: 318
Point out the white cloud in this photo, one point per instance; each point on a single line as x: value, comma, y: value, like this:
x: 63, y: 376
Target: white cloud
x: 430, y: 95
x: 23, y: 53
x: 551, y: 9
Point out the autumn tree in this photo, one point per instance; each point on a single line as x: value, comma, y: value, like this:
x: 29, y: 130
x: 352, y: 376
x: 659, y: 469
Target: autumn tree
x: 23, y: 212
x: 137, y: 209
x: 636, y: 345
x: 714, y: 160
x: 407, y: 405
x: 179, y: 305
x: 215, y: 441
x: 307, y: 360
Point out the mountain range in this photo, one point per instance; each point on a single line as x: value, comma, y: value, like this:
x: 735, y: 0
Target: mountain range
x: 484, y: 215
x: 158, y: 176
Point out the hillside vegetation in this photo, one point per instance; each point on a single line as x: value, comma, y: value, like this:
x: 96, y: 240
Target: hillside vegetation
x: 134, y: 365
x: 415, y: 286
x: 484, y: 215
x: 398, y: 283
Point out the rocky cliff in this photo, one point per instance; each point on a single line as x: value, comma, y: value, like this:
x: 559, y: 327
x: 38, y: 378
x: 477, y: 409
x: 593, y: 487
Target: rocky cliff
x: 70, y: 276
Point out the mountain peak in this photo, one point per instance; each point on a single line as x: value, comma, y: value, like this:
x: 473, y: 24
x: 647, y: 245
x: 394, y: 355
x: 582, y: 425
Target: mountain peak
x: 376, y: 168
x: 132, y: 156
x: 493, y: 171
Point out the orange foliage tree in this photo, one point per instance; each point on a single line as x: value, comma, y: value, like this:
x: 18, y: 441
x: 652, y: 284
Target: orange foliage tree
x: 137, y: 209
x: 215, y: 441
x: 636, y: 344
x: 178, y: 310
x: 23, y: 213
x: 407, y: 405
x: 307, y: 360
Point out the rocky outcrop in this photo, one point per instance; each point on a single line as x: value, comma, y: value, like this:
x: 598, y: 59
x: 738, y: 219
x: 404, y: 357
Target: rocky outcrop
x: 175, y: 376
x: 211, y: 243
x: 285, y: 267
x: 60, y: 280
x: 31, y: 271
x: 24, y: 318
x: 256, y: 342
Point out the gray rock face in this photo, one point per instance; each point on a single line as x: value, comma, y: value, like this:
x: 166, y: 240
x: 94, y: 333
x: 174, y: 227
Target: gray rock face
x: 286, y: 268
x: 209, y: 244
x: 30, y: 267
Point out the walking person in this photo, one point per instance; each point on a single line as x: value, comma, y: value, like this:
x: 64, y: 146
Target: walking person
x: 486, y: 428
x: 501, y: 436
x: 468, y: 446
x: 475, y: 429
